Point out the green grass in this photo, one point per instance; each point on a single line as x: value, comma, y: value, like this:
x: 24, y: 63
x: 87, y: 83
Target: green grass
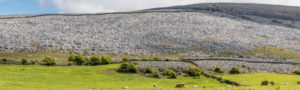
x: 105, y: 77
x: 254, y: 80
x: 280, y: 53
x: 14, y: 77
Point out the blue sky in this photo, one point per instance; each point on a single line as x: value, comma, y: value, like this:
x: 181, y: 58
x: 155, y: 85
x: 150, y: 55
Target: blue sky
x: 24, y: 7
x: 8, y: 7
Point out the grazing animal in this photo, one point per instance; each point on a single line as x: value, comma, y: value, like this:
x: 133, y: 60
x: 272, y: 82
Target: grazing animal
x: 195, y: 86
x: 180, y: 85
x: 154, y: 85
x: 231, y: 85
x: 286, y: 84
x: 124, y: 87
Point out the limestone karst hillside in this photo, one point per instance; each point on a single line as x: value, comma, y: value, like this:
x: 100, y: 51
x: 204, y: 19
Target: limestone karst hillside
x: 202, y: 30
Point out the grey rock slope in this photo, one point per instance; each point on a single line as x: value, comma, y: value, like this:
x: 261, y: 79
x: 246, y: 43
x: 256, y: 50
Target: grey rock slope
x: 186, y: 31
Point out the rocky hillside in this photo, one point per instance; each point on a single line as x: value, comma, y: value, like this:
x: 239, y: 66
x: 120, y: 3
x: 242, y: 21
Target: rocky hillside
x: 201, y: 30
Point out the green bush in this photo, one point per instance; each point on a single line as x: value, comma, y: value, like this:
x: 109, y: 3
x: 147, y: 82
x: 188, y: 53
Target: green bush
x: 194, y: 72
x: 156, y: 74
x: 71, y: 58
x: 235, y: 70
x: 4, y: 61
x: 49, y: 61
x: 95, y: 61
x: 218, y: 70
x: 106, y: 60
x: 170, y: 73
x: 265, y: 82
x: 298, y: 82
x: 148, y: 70
x: 24, y: 62
x: 32, y: 62
x: 156, y: 59
x: 272, y: 83
x: 297, y: 72
x: 128, y: 67
x: 78, y: 59
x: 125, y: 60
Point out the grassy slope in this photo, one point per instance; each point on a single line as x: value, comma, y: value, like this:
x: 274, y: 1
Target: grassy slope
x: 84, y: 77
x: 255, y: 79
x: 281, y: 53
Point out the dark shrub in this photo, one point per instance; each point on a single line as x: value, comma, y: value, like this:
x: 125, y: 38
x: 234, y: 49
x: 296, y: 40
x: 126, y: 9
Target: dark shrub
x: 148, y: 70
x: 24, y: 62
x: 128, y: 67
x: 272, y: 83
x: 218, y: 70
x: 235, y: 70
x: 264, y: 83
x: 297, y: 72
x: 194, y: 72
x: 95, y: 61
x: 298, y: 82
x: 32, y: 62
x: 170, y: 73
x: 167, y: 59
x: 156, y: 74
x: 71, y: 58
x: 106, y: 60
x: 3, y: 61
x: 125, y: 60
x: 156, y: 59
x: 79, y: 59
x: 49, y: 61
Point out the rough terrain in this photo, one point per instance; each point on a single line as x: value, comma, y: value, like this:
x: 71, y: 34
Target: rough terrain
x: 191, y: 30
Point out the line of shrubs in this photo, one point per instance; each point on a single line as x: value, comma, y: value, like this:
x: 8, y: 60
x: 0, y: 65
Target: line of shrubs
x: 46, y: 61
x: 82, y: 60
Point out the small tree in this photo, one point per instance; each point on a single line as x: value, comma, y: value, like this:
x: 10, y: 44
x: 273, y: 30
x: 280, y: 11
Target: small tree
x: 170, y: 73
x: 218, y: 70
x: 24, y: 62
x: 194, y: 72
x: 125, y: 60
x: 235, y: 70
x: 95, y: 61
x: 148, y: 70
x: 49, y: 61
x: 106, y: 60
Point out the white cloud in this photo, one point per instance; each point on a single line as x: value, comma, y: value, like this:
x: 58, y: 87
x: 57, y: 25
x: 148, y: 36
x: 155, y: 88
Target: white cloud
x: 96, y: 6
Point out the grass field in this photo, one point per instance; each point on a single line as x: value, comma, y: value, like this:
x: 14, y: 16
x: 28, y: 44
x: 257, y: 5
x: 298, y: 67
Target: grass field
x: 256, y: 79
x: 14, y: 77
x: 105, y: 77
